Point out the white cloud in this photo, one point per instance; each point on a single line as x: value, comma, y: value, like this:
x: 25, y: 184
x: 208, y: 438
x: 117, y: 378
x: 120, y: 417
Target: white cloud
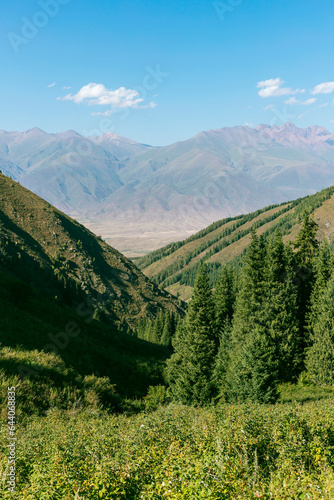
x: 270, y: 106
x: 293, y: 100
x: 52, y: 85
x: 65, y: 88
x: 98, y: 94
x: 324, y: 105
x: 323, y: 88
x: 273, y: 88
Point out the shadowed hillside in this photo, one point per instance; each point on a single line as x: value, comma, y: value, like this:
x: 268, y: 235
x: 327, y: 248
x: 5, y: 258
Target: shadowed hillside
x: 67, y: 301
x: 60, y: 257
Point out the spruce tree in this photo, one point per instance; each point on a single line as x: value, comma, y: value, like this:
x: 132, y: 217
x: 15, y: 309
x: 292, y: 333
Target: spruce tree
x: 149, y: 331
x: 222, y: 362
x: 189, y: 369
x: 252, y: 372
x: 250, y: 294
x: 255, y: 376
x: 177, y: 371
x: 281, y: 307
x: 306, y: 246
x: 224, y: 297
x: 306, y: 242
x: 167, y: 333
x: 320, y: 357
x: 323, y: 269
x: 157, y: 330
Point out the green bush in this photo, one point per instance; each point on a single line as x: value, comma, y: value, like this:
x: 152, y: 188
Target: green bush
x: 236, y: 452
x: 156, y: 395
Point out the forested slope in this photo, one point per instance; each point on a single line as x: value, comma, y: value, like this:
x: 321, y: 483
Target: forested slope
x: 174, y: 267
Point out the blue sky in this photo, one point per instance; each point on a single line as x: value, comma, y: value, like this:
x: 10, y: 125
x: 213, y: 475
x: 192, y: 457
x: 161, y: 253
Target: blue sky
x: 161, y: 71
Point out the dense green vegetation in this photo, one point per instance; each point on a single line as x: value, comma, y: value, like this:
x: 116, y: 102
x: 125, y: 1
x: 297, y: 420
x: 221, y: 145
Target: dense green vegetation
x: 161, y: 330
x: 261, y: 327
x: 177, y: 452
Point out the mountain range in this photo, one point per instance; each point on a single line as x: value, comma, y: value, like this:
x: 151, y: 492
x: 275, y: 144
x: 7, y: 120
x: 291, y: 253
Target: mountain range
x: 140, y: 197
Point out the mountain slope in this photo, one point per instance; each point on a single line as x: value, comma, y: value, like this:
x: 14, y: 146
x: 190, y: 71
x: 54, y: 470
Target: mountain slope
x: 118, y: 146
x: 73, y: 172
x: 60, y: 357
x: 174, y: 266
x: 140, y: 198
x: 63, y: 259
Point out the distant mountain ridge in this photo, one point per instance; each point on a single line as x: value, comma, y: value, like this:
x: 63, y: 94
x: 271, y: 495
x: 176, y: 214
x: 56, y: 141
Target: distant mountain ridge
x: 139, y: 197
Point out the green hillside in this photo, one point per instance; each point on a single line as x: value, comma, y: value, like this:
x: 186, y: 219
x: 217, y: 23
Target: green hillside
x: 174, y: 266
x: 53, y: 252
x: 59, y: 356
x: 70, y: 307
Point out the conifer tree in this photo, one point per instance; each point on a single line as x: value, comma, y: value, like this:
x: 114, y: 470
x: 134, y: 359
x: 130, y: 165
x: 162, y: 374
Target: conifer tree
x: 252, y: 373
x: 149, y: 331
x: 306, y: 242
x: 320, y: 357
x: 255, y: 376
x: 306, y: 245
x: 189, y: 369
x: 281, y: 307
x: 224, y: 297
x: 157, y: 330
x: 251, y: 288
x: 222, y: 361
x: 168, y: 329
x: 323, y: 270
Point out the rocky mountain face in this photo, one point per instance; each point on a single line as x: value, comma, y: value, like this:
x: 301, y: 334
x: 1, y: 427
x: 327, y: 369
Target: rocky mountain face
x: 139, y: 197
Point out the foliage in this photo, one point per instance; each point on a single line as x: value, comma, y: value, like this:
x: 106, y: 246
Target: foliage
x: 59, y: 356
x: 160, y: 330
x: 252, y: 373
x: 156, y: 395
x: 320, y: 358
x: 190, y: 367
x: 177, y: 452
